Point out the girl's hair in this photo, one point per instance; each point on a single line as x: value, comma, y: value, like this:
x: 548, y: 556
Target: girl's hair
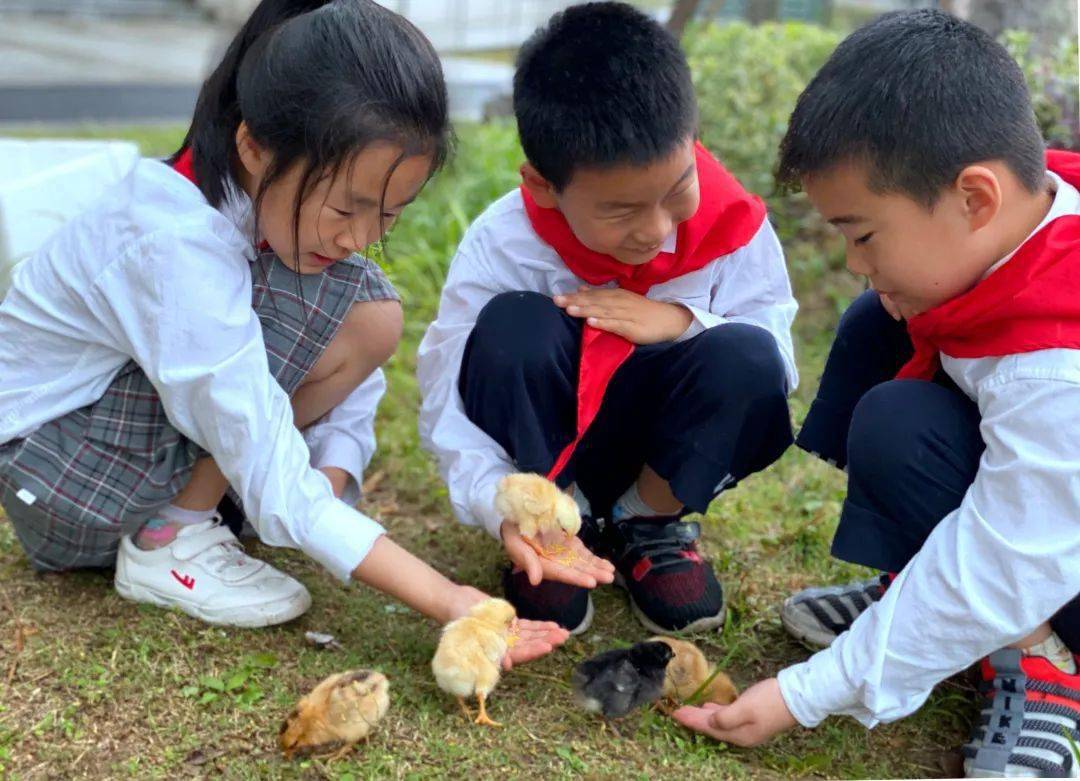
x: 317, y: 81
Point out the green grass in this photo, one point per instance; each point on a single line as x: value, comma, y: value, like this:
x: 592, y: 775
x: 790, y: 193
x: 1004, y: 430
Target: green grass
x: 107, y: 689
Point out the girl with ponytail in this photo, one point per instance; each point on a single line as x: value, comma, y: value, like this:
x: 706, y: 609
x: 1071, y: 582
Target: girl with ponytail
x: 212, y: 327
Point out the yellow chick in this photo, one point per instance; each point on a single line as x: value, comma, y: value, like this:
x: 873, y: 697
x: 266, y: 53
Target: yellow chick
x: 469, y: 658
x: 689, y: 669
x: 545, y: 515
x: 339, y: 712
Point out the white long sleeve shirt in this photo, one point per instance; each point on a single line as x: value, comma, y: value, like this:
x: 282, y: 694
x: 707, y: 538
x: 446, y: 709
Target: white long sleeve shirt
x: 994, y: 569
x: 155, y: 274
x: 502, y: 253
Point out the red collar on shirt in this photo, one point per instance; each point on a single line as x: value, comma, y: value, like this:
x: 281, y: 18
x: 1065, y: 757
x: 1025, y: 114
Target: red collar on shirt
x: 727, y: 219
x: 1030, y: 303
x: 185, y: 166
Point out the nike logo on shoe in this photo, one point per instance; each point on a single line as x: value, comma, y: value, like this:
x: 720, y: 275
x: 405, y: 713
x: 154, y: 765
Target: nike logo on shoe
x: 186, y: 581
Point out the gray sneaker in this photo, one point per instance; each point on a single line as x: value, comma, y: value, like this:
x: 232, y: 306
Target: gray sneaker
x: 817, y: 616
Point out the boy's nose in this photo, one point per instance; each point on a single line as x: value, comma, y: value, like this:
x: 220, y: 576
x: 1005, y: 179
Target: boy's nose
x: 857, y: 266
x: 655, y: 232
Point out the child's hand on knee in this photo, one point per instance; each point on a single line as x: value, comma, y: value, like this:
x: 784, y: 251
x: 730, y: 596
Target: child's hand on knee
x: 758, y: 715
x: 586, y: 570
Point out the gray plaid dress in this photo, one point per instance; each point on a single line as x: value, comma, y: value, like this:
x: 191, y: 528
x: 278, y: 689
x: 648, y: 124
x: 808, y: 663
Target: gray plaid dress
x: 99, y: 472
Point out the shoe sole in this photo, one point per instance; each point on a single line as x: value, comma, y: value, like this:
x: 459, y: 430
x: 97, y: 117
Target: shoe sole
x: 706, y: 624
x: 585, y: 622
x: 813, y: 637
x: 1011, y: 771
x: 268, y: 614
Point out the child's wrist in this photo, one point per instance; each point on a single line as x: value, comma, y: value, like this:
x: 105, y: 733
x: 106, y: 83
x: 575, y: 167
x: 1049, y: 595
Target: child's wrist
x: 682, y: 319
x: 338, y: 478
x: 458, y: 601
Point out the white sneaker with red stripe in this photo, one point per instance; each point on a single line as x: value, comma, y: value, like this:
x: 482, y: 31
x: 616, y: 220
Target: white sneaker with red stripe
x: 206, y: 573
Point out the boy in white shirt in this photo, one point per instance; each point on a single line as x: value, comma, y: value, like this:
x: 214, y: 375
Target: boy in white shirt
x: 964, y: 470
x: 621, y: 323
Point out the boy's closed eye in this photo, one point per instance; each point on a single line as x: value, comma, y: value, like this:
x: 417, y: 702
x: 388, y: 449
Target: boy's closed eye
x: 864, y: 238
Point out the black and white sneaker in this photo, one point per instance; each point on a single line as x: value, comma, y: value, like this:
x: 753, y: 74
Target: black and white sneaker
x: 1029, y: 726
x: 817, y: 616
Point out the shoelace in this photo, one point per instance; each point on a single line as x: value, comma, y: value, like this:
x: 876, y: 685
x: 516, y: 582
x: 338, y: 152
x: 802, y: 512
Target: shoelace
x: 222, y: 549
x: 1002, y: 727
x: 228, y: 554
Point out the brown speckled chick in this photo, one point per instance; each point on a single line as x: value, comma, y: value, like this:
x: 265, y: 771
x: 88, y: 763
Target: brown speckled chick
x: 338, y: 713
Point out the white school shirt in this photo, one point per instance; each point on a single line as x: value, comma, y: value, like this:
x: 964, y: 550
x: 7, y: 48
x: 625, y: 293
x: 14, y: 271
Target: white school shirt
x: 153, y: 273
x: 500, y: 253
x: 993, y: 569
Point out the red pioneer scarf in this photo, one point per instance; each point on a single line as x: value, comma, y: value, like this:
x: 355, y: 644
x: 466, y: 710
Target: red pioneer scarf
x: 1030, y: 303
x: 727, y: 219
x: 185, y: 165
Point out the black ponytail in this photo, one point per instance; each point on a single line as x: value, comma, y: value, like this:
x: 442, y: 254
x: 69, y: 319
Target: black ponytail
x: 318, y: 80
x: 212, y: 135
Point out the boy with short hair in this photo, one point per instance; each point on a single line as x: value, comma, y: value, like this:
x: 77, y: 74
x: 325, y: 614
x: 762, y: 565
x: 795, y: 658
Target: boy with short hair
x: 620, y: 323
x: 964, y: 470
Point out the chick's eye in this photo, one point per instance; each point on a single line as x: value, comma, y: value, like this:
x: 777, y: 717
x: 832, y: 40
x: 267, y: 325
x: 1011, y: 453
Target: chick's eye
x: 863, y: 239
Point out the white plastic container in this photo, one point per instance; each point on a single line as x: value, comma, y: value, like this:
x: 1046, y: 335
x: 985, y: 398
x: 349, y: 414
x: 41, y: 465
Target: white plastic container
x: 44, y: 183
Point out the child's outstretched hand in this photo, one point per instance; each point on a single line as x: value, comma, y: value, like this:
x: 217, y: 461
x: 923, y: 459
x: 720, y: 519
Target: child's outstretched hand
x: 633, y: 317
x: 529, y: 639
x: 586, y: 568
x: 758, y: 715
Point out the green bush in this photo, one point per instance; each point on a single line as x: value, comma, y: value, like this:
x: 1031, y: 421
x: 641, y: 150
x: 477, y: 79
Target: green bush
x: 1054, y: 82
x: 747, y: 80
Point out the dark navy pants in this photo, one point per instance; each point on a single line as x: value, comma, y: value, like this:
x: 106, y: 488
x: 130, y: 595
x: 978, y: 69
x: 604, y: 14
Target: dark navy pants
x: 703, y: 413
x: 911, y: 448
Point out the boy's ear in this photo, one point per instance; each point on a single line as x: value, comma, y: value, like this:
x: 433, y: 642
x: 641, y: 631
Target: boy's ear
x: 252, y: 156
x: 980, y: 189
x: 542, y: 191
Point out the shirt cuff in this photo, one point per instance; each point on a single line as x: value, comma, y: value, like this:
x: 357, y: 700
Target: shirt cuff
x: 818, y: 688
x: 703, y: 320
x: 341, y: 539
x: 484, y: 508
x: 345, y: 453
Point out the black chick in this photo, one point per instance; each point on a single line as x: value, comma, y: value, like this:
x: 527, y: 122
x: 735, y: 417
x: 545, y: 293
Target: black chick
x: 615, y: 682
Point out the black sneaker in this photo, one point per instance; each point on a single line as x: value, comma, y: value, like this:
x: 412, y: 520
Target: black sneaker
x: 671, y: 588
x: 817, y: 616
x: 568, y: 606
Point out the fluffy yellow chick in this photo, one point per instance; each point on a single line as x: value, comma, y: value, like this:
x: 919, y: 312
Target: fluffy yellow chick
x: 545, y: 515
x: 688, y: 669
x: 339, y: 712
x: 470, y: 653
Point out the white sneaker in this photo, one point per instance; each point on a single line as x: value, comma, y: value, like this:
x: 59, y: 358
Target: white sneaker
x: 206, y: 573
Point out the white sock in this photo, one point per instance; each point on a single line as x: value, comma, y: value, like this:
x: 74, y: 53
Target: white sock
x: 179, y: 515
x: 162, y: 529
x: 1056, y: 651
x: 631, y: 505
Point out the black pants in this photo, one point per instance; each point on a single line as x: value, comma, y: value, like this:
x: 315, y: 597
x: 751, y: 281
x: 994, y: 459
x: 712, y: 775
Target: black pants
x: 703, y: 413
x: 911, y: 448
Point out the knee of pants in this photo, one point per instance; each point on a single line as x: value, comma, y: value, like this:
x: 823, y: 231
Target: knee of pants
x: 904, y: 428
x: 865, y: 315
x: 741, y: 362
x: 518, y: 332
